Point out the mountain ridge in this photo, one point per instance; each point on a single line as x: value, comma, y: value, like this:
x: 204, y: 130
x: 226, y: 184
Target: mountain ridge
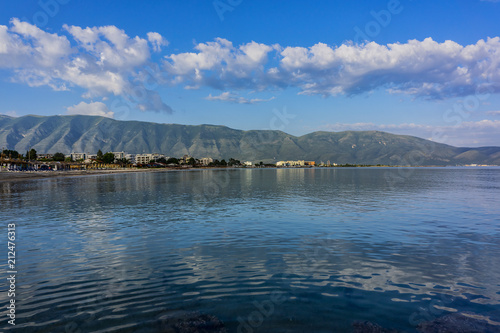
x: 79, y: 133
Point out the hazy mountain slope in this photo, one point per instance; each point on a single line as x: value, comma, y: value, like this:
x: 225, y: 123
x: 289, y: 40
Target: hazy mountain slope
x: 90, y: 133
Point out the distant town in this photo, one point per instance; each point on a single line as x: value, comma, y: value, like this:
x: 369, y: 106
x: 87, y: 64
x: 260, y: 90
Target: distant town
x: 11, y: 160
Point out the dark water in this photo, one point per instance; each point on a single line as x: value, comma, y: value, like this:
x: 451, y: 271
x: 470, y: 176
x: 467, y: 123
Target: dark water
x: 265, y: 250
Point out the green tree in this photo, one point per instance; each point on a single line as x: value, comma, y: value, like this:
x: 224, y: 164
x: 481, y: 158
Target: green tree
x: 223, y: 163
x: 123, y: 161
x: 68, y: 159
x: 191, y: 161
x: 108, y: 158
x: 161, y: 160
x: 99, y: 155
x: 58, y: 157
x: 172, y: 160
x: 31, y: 155
x: 232, y: 162
x: 10, y: 153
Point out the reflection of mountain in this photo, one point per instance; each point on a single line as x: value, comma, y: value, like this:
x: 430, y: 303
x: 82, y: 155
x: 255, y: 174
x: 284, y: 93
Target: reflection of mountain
x: 90, y: 133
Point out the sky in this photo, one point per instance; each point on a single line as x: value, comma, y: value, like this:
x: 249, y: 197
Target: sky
x: 416, y: 67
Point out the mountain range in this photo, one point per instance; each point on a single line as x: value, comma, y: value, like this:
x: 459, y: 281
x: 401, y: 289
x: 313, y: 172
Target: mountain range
x: 78, y: 133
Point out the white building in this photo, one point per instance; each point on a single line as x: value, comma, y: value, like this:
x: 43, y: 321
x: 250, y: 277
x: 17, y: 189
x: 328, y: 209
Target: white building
x: 290, y: 163
x: 206, y: 160
x: 90, y: 158
x: 145, y: 158
x: 247, y: 163
x: 295, y: 163
x: 78, y: 156
x: 119, y: 155
x: 130, y: 157
x: 185, y: 159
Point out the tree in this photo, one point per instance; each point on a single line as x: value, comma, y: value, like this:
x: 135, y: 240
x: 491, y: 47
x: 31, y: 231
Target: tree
x: 99, y: 155
x: 68, y: 159
x: 172, y: 160
x: 191, y: 161
x: 223, y: 163
x: 58, y: 157
x: 31, y: 155
x: 108, y: 158
x: 161, y: 160
x: 232, y: 162
x: 123, y: 161
x: 10, y: 153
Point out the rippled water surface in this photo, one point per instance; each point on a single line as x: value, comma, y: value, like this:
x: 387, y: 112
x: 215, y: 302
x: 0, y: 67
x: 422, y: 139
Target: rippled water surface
x: 263, y: 250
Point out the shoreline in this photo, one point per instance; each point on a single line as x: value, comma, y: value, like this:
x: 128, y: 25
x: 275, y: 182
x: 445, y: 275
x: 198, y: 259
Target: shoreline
x: 9, y: 176
x: 6, y: 176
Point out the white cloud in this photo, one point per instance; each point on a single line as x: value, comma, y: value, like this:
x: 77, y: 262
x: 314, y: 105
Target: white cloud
x: 219, y: 64
x: 111, y: 47
x: 472, y: 133
x: 104, y: 60
x: 233, y: 98
x: 90, y: 109
x: 493, y: 113
x: 157, y: 41
x: 423, y: 68
x: 26, y: 45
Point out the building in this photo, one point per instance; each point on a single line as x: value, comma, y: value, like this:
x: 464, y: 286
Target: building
x: 248, y: 163
x: 119, y: 155
x: 45, y: 156
x: 184, y: 159
x: 130, y: 157
x: 145, y: 158
x: 78, y: 156
x: 299, y: 163
x: 206, y: 160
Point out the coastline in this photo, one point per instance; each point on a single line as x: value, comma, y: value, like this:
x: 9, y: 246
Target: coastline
x: 10, y: 176
x: 7, y: 176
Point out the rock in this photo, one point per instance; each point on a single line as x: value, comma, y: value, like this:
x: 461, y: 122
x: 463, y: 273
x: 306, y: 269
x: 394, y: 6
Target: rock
x: 369, y: 327
x: 191, y: 322
x: 457, y: 323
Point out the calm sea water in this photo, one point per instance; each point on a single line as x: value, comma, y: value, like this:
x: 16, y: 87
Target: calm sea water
x: 264, y: 250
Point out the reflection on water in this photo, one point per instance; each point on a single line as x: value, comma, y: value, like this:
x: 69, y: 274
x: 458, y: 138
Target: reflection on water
x: 286, y: 250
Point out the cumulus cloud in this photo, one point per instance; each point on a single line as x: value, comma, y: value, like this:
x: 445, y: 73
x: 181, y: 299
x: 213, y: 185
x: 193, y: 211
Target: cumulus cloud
x: 233, y: 98
x: 106, y: 61
x: 102, y: 60
x: 423, y: 68
x: 157, y: 41
x: 90, y: 109
x: 219, y: 64
x: 471, y: 133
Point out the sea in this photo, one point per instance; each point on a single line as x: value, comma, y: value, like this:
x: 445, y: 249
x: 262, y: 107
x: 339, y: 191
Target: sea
x: 254, y: 250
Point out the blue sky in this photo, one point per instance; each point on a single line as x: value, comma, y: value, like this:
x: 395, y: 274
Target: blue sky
x: 424, y: 68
